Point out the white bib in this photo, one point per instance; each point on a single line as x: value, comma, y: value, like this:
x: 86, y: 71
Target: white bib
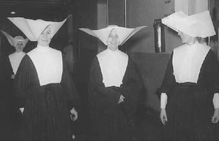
x: 15, y: 60
x: 48, y: 64
x: 187, y: 62
x: 113, y: 65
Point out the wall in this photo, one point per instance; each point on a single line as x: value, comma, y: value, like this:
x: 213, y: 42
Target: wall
x: 116, y: 12
x: 84, y: 14
x: 151, y: 67
x: 144, y: 12
x: 102, y: 20
x: 141, y: 47
x: 191, y: 6
x: 132, y: 13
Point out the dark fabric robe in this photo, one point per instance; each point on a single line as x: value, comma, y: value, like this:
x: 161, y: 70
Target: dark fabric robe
x: 6, y: 98
x: 46, y: 113
x: 6, y: 81
x: 110, y: 120
x: 189, y: 106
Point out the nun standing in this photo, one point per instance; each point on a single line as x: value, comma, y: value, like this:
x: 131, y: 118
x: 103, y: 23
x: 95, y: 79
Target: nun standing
x: 15, y: 58
x: 10, y: 113
x: 114, y: 86
x: 189, y: 92
x: 43, y: 86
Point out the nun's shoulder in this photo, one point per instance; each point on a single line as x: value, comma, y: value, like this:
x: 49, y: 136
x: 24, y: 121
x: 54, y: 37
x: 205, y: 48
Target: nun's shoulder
x: 102, y: 52
x: 38, y: 51
x: 31, y: 52
x: 182, y: 47
x: 55, y: 50
x: 123, y: 54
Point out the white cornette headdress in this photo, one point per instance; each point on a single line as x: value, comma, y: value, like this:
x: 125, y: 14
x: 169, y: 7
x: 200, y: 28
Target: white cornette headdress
x: 197, y: 25
x: 33, y: 28
x: 123, y: 33
x: 15, y: 40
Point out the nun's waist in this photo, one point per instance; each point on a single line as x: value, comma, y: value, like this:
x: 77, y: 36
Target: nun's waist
x: 188, y: 84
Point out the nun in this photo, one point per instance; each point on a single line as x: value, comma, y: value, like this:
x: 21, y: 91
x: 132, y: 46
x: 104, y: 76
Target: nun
x: 114, y: 86
x: 15, y: 58
x: 189, y: 98
x: 43, y: 86
x: 9, y: 112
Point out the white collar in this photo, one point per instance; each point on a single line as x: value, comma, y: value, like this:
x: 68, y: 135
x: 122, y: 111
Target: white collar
x: 113, y: 65
x: 48, y: 64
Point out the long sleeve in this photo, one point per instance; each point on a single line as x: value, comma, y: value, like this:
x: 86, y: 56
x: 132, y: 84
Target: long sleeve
x: 216, y: 100
x: 131, y: 88
x: 69, y: 88
x: 209, y: 74
x: 24, y: 80
x: 163, y: 100
x: 168, y: 80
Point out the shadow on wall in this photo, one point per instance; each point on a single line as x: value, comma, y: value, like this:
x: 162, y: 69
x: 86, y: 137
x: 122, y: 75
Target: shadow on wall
x: 151, y: 67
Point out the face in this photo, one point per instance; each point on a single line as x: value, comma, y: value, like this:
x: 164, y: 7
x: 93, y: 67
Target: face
x: 45, y: 37
x: 186, y: 38
x: 19, y: 46
x: 113, y: 40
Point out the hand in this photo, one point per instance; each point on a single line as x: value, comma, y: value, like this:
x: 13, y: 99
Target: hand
x: 163, y: 116
x: 12, y: 76
x: 22, y: 110
x: 73, y: 114
x: 215, y: 117
x: 121, y: 99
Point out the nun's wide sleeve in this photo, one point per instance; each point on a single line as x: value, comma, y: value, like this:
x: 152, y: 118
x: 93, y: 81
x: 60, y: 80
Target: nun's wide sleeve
x: 131, y: 89
x: 6, y: 67
x: 69, y: 88
x: 168, y: 80
x: 24, y: 80
x: 209, y: 73
x: 6, y: 83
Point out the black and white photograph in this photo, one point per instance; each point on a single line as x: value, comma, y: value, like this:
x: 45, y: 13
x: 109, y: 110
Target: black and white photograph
x: 123, y: 70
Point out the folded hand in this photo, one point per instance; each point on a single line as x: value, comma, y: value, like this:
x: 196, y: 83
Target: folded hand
x: 73, y: 114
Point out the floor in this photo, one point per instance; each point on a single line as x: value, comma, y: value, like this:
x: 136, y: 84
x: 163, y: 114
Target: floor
x: 147, y: 127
